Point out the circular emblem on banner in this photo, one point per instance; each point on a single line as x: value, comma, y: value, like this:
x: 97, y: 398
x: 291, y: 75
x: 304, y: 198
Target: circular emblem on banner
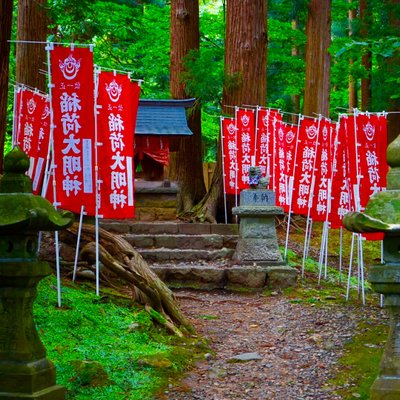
x: 281, y: 134
x: 265, y: 120
x: 312, y: 132
x: 231, y: 128
x: 369, y: 131
x: 325, y: 133
x: 289, y: 137
x: 114, y: 91
x: 31, y: 106
x: 245, y: 120
x: 70, y: 67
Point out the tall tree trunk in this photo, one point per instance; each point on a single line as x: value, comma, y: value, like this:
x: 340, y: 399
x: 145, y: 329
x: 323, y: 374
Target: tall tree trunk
x: 353, y: 98
x: 394, y: 62
x: 6, y: 12
x: 245, y: 78
x: 318, y: 60
x: 31, y: 57
x: 185, y: 36
x: 295, y: 97
x: 366, y: 61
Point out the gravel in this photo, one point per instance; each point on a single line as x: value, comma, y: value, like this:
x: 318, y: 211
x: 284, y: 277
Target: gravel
x: 298, y: 343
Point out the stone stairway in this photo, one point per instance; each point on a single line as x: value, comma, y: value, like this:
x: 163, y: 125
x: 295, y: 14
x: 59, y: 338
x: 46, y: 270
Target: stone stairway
x: 196, y: 255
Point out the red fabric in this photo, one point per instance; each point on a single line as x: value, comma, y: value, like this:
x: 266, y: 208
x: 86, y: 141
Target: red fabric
x: 230, y: 156
x: 285, y: 147
x: 245, y: 125
x: 118, y: 100
x: 73, y: 109
x: 265, y: 139
x: 306, y: 162
x: 33, y: 132
x: 323, y: 171
x: 156, y: 147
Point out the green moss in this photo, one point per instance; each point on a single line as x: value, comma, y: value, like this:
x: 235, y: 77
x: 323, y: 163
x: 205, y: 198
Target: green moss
x: 359, y: 366
x: 117, y: 334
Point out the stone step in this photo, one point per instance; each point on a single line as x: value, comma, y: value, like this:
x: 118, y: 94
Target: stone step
x: 225, y: 276
x: 171, y: 228
x: 163, y: 255
x: 180, y: 241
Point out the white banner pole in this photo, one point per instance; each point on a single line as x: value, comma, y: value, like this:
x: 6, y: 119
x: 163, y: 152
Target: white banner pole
x: 78, y: 241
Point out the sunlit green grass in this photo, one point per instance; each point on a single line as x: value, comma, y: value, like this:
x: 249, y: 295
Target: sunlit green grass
x: 112, y: 331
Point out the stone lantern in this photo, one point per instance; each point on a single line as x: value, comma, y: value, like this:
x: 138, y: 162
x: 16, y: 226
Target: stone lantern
x: 382, y: 214
x: 25, y: 372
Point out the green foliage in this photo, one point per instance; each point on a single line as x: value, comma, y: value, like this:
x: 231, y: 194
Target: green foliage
x: 112, y: 332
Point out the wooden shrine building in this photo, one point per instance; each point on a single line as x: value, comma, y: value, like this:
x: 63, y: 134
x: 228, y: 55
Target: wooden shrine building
x: 158, y: 123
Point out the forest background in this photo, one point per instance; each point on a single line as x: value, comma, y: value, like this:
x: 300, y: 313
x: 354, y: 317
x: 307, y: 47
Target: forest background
x: 359, y: 40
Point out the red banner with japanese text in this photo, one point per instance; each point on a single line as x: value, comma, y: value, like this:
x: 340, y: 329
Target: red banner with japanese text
x: 367, y: 143
x: 305, y: 164
x: 367, y: 146
x: 229, y: 154
x: 264, y: 148
x: 245, y: 125
x: 323, y: 171
x: 341, y: 193
x: 33, y: 132
x: 285, y: 149
x: 118, y: 100
x: 72, y: 101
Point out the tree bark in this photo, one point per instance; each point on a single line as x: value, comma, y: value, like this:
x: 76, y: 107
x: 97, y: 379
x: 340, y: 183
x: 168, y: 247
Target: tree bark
x: 31, y: 57
x: 6, y: 12
x: 185, y: 36
x: 123, y: 261
x: 353, y: 98
x: 245, y: 79
x: 366, y: 60
x: 318, y: 60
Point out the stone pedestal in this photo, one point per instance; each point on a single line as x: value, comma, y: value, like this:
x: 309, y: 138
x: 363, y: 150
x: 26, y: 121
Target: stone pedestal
x: 385, y: 279
x: 258, y: 244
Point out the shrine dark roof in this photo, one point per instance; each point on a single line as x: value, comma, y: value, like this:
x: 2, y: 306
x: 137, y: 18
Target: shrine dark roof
x: 163, y: 117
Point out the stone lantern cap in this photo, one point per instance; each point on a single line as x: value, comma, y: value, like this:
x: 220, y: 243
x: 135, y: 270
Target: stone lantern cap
x: 20, y: 210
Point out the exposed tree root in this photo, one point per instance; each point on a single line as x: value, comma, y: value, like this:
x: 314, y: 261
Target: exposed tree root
x: 120, y: 259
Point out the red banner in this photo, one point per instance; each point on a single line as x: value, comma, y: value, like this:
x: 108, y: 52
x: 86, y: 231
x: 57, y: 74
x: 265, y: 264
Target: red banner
x: 118, y: 100
x: 73, y: 110
x: 305, y: 162
x: 323, y: 171
x: 33, y: 132
x: 341, y: 194
x: 245, y: 125
x: 367, y: 146
x: 230, y: 154
x: 265, y: 139
x: 285, y: 149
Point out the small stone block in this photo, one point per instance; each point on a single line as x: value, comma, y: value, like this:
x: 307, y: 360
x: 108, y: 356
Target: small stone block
x: 386, y: 388
x: 194, y: 229
x: 246, y: 277
x: 281, y: 277
x: 225, y: 229
x: 257, y: 197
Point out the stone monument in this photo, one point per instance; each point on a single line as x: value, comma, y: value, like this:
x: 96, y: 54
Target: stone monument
x: 382, y: 214
x: 257, y: 244
x: 25, y: 372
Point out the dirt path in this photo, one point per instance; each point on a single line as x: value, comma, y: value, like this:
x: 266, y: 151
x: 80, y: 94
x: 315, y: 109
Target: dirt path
x: 296, y: 344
